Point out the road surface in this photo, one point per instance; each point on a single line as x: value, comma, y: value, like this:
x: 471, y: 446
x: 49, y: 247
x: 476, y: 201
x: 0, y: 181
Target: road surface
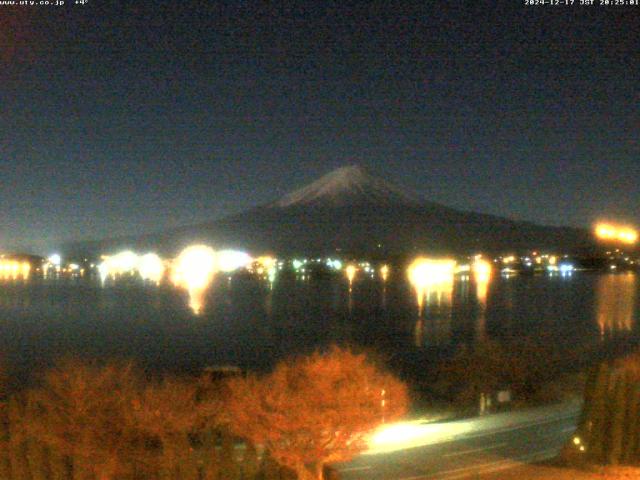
x: 466, y: 448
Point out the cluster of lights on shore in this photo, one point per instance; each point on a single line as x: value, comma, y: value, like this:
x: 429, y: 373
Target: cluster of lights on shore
x: 192, y: 270
x: 14, y: 269
x: 196, y: 266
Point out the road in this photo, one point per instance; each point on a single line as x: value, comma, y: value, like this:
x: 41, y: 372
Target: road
x: 467, y: 448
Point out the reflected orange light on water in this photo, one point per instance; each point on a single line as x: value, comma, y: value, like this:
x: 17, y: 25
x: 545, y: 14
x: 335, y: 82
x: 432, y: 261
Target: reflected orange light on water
x: 429, y: 276
x: 350, y: 271
x: 482, y: 275
x: 616, y: 303
x: 14, y: 269
x: 384, y: 272
x: 482, y: 270
x: 194, y: 270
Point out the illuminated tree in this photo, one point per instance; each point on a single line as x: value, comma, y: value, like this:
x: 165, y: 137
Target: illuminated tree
x: 80, y: 412
x: 166, y: 413
x: 315, y: 410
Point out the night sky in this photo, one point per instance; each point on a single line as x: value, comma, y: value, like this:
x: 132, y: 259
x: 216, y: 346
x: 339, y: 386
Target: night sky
x: 121, y: 117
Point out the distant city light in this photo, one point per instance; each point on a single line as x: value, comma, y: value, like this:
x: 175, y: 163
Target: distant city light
x: 566, y: 268
x: 334, y: 264
x: 151, y: 267
x: 231, y: 260
x: 55, y: 259
x: 14, y: 269
x: 611, y: 232
x: 465, y: 268
x: 121, y: 263
x: 482, y: 270
x: 350, y: 271
x: 271, y: 274
x: 482, y: 274
x: 384, y: 272
x: 268, y: 265
x: 426, y: 274
x: 267, y: 261
x: 194, y: 270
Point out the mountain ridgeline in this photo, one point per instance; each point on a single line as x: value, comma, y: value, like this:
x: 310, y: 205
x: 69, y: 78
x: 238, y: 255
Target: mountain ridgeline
x: 350, y: 211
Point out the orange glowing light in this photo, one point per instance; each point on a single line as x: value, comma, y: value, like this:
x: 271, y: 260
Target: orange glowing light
x: 194, y: 270
x: 482, y: 275
x: 351, y: 273
x: 14, y: 269
x: 151, y: 267
x: 231, y: 260
x: 481, y: 270
x: 384, y: 272
x: 611, y: 232
x: 427, y: 274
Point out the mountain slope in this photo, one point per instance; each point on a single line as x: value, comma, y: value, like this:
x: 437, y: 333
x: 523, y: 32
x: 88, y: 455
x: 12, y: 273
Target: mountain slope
x: 352, y: 211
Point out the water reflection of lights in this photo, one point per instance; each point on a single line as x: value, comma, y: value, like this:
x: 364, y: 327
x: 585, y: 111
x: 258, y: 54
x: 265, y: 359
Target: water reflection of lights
x: 432, y: 278
x: 350, y: 271
x: 482, y: 275
x: 194, y: 270
x: 14, y: 269
x: 615, y: 303
x: 267, y: 262
x: 384, y: 272
x: 267, y: 265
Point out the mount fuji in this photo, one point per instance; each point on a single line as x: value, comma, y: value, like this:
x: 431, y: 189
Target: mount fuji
x: 351, y: 211
x: 350, y: 185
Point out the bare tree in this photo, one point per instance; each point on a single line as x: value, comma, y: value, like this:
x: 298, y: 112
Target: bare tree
x: 167, y: 413
x: 315, y: 410
x: 80, y: 412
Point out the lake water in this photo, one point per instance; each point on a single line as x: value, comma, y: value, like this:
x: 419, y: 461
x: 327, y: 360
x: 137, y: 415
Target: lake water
x: 246, y: 323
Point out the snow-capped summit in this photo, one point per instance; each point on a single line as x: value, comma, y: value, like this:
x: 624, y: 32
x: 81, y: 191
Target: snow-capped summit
x: 348, y: 186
